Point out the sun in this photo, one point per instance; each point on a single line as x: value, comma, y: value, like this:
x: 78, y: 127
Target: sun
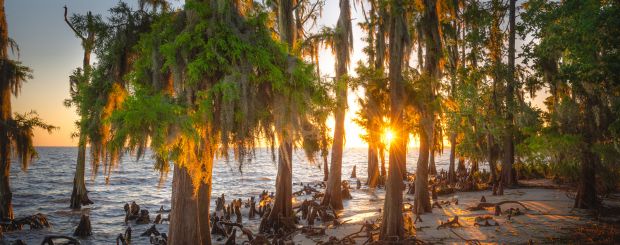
x: 388, y: 136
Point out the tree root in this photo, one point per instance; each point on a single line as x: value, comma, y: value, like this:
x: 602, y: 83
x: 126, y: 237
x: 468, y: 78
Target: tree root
x: 49, y: 240
x: 450, y: 223
x: 484, y: 205
x: 307, y: 190
x: 313, y: 231
x: 151, y: 231
x: 35, y: 222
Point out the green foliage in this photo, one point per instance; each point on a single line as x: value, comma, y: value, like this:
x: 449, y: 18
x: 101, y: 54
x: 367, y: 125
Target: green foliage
x: 21, y: 133
x: 14, y: 73
x: 207, y: 79
x: 575, y: 54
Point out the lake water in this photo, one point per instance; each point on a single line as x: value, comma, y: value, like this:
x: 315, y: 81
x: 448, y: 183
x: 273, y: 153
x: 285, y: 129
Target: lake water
x: 46, y: 188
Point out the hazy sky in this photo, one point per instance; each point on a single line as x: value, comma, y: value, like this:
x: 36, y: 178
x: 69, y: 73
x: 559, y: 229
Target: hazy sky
x: 50, y: 48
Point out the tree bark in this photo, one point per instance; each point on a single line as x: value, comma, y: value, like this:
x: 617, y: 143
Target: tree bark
x: 325, y: 169
x: 6, y: 206
x: 79, y: 196
x: 422, y: 200
x: 373, y: 166
x: 431, y: 62
x: 283, y: 202
x: 451, y: 168
x: 333, y: 193
x: 392, y: 224
x: 493, y: 155
x: 509, y: 151
x: 586, y: 191
x: 189, y: 217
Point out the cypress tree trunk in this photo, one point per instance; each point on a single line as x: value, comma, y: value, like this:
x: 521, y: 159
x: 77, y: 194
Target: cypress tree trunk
x: 333, y: 192
x: 6, y: 196
x: 373, y: 166
x: 371, y: 107
x: 586, y: 191
x: 431, y: 161
x: 283, y: 206
x: 432, y: 168
x: 383, y: 169
x: 509, y: 151
x: 6, y: 207
x: 492, y: 157
x: 461, y: 166
x: 325, y: 169
x: 79, y: 195
x: 431, y: 63
x: 451, y: 168
x: 380, y: 66
x: 282, y: 210
x: 392, y: 224
x: 189, y: 217
x: 422, y: 201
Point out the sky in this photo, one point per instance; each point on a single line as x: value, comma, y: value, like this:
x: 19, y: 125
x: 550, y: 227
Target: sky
x: 49, y: 47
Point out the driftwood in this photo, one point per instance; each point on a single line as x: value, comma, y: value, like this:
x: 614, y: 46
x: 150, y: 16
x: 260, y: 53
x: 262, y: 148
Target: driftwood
x: 50, y: 240
x: 450, y: 223
x: 483, y: 205
x: 83, y: 229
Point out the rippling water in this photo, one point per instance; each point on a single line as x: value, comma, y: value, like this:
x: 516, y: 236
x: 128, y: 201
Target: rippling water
x: 46, y: 188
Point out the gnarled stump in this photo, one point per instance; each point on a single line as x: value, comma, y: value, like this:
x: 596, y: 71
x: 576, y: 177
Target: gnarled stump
x: 83, y: 229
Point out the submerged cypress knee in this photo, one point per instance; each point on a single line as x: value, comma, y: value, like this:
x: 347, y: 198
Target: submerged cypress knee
x: 83, y: 229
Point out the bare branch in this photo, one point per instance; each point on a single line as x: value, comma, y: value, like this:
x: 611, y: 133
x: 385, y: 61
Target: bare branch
x: 77, y: 33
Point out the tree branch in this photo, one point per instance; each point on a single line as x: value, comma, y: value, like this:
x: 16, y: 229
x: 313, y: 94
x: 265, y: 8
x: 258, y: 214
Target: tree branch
x: 77, y: 33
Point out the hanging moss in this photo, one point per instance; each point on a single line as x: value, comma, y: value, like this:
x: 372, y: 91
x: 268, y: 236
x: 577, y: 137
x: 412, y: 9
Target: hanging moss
x: 228, y: 79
